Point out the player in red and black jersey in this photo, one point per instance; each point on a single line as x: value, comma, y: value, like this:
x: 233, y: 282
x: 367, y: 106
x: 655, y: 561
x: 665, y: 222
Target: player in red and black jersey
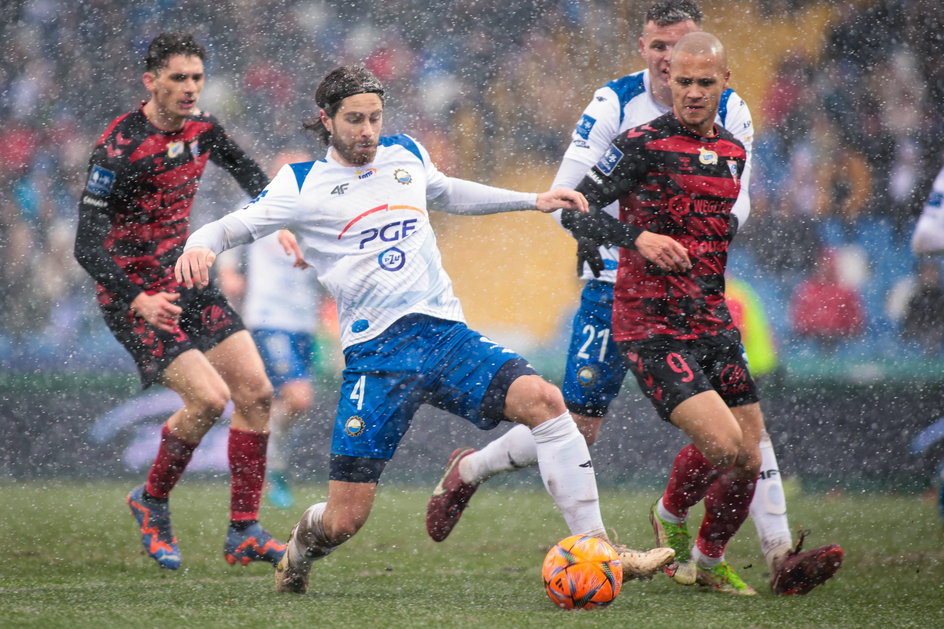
x: 683, y: 185
x: 676, y: 179
x: 134, y: 218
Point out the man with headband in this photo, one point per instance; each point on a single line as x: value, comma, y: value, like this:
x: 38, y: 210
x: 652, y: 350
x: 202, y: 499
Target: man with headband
x: 361, y: 215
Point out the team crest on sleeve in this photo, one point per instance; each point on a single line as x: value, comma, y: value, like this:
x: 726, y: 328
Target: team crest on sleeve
x: 402, y: 176
x: 707, y: 156
x: 100, y: 181
x: 609, y: 160
x: 585, y: 126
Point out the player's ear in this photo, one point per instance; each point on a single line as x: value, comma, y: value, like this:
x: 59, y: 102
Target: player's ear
x: 148, y: 79
x: 326, y: 120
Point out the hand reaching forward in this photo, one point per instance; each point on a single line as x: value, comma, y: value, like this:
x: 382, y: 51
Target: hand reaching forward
x: 561, y: 198
x: 290, y: 246
x: 193, y: 267
x: 663, y: 251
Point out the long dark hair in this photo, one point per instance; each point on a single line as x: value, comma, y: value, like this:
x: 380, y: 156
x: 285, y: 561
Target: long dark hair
x: 339, y: 84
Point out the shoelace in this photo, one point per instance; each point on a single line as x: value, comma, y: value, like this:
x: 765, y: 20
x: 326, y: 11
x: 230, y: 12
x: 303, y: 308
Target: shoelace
x: 802, y: 532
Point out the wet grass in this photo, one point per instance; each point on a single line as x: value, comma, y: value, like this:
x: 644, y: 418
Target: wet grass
x: 72, y: 558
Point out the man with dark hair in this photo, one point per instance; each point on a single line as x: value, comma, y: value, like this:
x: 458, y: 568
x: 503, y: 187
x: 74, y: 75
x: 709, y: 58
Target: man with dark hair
x: 133, y: 222
x: 595, y: 369
x: 362, y: 218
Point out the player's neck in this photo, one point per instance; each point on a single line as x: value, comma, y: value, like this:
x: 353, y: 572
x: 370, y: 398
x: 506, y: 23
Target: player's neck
x: 162, y: 119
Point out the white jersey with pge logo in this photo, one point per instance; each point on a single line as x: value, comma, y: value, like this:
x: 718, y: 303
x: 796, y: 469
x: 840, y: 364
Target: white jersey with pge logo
x: 366, y: 231
x: 621, y: 105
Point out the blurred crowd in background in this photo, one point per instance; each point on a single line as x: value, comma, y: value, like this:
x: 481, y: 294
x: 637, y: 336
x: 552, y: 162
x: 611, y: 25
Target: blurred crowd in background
x: 849, y: 137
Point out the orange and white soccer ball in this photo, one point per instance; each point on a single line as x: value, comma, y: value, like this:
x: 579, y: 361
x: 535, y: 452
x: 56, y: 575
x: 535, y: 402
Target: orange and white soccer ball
x: 582, y: 572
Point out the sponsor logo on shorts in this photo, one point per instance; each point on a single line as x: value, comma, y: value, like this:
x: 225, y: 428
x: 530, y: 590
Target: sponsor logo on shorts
x: 100, y: 181
x: 392, y: 259
x: 354, y: 426
x: 734, y: 380
x: 586, y: 376
x: 214, y: 319
x: 732, y: 374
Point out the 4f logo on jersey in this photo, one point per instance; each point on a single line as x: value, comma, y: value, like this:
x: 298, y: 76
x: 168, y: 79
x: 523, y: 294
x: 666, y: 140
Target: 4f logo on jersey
x: 707, y: 156
x: 585, y: 126
x: 340, y: 189
x: 609, y: 160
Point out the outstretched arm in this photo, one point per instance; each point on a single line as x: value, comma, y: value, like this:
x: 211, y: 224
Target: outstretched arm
x: 562, y: 198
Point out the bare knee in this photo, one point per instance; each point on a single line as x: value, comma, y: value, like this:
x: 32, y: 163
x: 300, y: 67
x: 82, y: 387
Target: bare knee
x: 588, y: 426
x: 531, y: 400
x: 253, y: 394
x: 722, y: 452
x: 208, y: 405
x: 297, y: 397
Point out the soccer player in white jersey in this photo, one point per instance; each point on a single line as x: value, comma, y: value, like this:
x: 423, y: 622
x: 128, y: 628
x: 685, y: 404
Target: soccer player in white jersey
x: 595, y: 369
x: 361, y: 216
x: 928, y: 236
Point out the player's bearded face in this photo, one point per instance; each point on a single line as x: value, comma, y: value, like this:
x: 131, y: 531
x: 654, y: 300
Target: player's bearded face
x: 698, y: 80
x: 355, y: 129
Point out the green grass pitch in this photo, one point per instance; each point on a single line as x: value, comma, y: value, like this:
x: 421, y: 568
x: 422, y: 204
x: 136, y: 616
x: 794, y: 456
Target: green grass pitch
x: 72, y: 558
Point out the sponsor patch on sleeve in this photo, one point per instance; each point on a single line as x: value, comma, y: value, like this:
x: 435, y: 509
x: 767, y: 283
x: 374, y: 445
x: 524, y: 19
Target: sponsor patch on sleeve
x: 584, y: 126
x: 100, y: 181
x: 609, y: 160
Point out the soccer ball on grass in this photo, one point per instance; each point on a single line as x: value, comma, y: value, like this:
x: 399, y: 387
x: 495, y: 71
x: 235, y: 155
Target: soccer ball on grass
x: 582, y: 572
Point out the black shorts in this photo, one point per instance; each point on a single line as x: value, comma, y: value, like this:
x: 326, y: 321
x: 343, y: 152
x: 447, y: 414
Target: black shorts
x: 206, y: 320
x: 669, y: 371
